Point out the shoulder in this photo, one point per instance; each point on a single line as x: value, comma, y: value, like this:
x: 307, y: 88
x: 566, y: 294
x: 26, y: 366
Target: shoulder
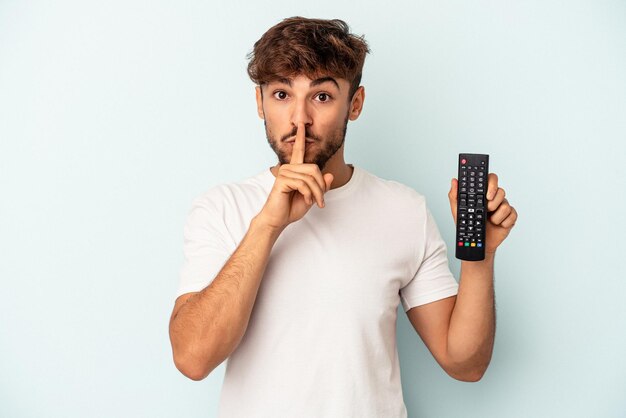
x: 232, y: 194
x: 393, y: 191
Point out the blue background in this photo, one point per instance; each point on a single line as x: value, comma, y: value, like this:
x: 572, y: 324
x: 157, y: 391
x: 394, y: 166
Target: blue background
x: 115, y: 115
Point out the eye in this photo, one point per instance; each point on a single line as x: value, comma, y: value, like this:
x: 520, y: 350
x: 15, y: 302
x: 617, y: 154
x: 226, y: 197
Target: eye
x: 323, y: 97
x: 280, y: 95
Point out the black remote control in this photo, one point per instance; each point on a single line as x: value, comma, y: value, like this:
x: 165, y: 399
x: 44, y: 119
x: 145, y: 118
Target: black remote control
x: 471, y: 212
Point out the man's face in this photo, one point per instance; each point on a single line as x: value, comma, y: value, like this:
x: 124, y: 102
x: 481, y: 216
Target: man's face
x: 321, y: 104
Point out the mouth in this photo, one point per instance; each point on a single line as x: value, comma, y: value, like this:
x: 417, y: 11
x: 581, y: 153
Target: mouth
x: 308, y: 143
x: 306, y: 140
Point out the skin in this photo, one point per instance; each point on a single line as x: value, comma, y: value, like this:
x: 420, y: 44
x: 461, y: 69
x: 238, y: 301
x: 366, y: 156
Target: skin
x: 207, y: 326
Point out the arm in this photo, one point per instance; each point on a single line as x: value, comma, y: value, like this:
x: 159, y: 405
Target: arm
x: 473, y: 321
x: 459, y: 331
x: 206, y: 326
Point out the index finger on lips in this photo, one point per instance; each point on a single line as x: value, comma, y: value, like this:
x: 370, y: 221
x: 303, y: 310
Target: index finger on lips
x: 297, y: 155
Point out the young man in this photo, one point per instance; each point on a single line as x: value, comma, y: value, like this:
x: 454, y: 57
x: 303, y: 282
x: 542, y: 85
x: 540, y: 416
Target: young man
x: 295, y: 274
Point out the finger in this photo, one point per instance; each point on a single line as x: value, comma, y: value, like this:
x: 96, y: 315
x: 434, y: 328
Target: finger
x: 492, y: 185
x: 503, y: 211
x: 297, y: 155
x: 299, y: 185
x: 328, y: 178
x: 318, y: 193
x: 452, y: 195
x: 493, y: 204
x: 310, y: 169
x: 510, y: 220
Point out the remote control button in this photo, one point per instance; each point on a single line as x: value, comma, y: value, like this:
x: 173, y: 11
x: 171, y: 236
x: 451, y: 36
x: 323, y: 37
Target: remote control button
x: 470, y: 210
x: 480, y: 244
x: 463, y: 189
x: 467, y: 244
x: 473, y: 244
x: 481, y: 173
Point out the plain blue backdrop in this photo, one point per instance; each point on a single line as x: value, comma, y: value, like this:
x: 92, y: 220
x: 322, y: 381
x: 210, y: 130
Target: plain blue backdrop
x: 115, y: 115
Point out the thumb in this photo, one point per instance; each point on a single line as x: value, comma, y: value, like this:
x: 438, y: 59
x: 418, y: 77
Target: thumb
x: 328, y: 178
x: 452, y: 195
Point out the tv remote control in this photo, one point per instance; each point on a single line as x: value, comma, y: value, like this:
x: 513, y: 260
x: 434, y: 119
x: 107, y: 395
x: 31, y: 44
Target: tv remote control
x: 471, y: 212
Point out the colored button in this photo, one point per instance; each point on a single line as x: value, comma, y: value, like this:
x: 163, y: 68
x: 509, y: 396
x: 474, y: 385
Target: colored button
x: 473, y: 244
x: 467, y: 244
x: 480, y: 244
x: 461, y: 244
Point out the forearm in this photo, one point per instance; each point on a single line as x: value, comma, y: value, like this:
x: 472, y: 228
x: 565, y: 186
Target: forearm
x: 210, y: 325
x: 472, y: 325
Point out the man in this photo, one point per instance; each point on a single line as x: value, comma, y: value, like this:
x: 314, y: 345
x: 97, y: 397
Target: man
x: 295, y: 274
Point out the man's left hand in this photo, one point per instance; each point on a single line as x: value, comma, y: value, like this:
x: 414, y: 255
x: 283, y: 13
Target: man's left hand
x: 501, y: 216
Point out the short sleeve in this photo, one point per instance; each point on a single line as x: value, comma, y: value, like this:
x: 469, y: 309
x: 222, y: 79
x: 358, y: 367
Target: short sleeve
x: 433, y: 279
x: 206, y: 246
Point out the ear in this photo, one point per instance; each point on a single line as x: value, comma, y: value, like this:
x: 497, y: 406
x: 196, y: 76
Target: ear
x: 259, y: 102
x: 356, y: 105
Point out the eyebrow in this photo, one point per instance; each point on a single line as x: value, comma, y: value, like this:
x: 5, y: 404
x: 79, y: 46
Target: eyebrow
x: 313, y: 83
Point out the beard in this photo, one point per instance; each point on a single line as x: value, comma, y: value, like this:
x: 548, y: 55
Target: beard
x: 325, y: 147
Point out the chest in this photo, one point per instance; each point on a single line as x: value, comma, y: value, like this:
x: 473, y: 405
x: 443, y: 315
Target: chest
x: 357, y: 268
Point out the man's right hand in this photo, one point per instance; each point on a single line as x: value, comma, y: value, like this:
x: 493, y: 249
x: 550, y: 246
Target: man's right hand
x: 295, y: 189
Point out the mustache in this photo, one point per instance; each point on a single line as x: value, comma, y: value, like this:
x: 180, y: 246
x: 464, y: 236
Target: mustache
x: 307, y: 134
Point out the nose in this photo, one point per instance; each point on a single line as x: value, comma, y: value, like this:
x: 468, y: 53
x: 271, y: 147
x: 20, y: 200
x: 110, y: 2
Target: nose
x: 301, y: 113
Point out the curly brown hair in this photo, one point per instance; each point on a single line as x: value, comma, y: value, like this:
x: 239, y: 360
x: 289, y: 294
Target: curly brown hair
x: 312, y: 47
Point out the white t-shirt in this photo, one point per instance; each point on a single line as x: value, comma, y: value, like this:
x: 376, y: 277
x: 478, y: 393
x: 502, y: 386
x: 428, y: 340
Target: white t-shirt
x: 321, y: 340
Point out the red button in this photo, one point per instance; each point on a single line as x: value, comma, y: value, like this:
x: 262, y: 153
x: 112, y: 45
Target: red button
x: 460, y: 244
x: 463, y: 161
